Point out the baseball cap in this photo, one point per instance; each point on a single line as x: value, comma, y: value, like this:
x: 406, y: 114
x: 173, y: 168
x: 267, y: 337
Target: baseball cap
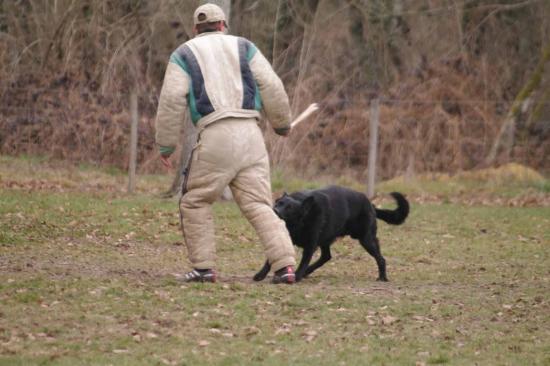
x: 208, y: 13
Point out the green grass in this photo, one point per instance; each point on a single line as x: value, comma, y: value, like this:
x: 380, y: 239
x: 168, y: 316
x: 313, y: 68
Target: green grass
x: 87, y: 277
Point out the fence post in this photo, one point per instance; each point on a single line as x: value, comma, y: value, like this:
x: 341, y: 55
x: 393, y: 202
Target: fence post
x: 133, y: 142
x: 373, y: 146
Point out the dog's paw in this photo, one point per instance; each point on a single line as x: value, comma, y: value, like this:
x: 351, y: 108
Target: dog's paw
x: 382, y: 279
x: 259, y: 277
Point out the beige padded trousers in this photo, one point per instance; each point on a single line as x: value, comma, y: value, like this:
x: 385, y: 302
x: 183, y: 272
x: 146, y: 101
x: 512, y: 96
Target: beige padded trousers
x: 231, y: 152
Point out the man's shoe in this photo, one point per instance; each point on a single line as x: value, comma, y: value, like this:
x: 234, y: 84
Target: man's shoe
x: 285, y: 275
x: 200, y: 275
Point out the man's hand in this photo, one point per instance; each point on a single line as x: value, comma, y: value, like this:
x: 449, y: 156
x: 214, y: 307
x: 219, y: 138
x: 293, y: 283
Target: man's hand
x: 282, y: 131
x: 165, y: 160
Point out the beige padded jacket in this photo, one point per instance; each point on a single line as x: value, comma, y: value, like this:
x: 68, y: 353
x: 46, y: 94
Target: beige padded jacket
x: 216, y: 76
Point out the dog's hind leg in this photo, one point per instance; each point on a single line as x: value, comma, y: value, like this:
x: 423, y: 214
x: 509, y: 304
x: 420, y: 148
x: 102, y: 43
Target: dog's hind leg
x: 263, y: 272
x: 325, y: 257
x: 372, y: 246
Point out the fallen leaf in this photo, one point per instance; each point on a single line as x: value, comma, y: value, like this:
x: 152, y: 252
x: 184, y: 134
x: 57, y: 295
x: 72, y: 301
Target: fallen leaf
x: 310, y: 335
x: 252, y: 331
x: 283, y: 330
x: 203, y: 343
x: 422, y: 318
x: 388, y: 319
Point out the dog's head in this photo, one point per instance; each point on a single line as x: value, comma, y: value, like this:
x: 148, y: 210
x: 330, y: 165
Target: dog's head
x: 292, y: 210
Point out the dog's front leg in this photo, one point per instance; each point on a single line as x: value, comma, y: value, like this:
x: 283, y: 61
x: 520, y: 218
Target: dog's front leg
x: 309, y: 248
x: 304, y: 263
x: 325, y: 257
x: 263, y: 272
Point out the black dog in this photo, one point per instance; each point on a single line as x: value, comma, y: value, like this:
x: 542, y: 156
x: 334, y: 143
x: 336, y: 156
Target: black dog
x: 316, y: 218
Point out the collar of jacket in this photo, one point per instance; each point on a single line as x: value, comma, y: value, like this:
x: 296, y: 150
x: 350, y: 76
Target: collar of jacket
x: 207, y: 34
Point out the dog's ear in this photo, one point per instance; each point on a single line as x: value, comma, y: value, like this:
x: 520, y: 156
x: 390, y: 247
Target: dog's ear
x: 307, y: 205
x: 280, y: 198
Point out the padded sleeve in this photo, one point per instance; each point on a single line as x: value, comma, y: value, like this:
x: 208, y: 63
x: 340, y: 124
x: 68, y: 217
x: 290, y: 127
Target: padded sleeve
x: 171, y: 108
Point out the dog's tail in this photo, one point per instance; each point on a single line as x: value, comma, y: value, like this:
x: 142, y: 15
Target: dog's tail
x: 397, y: 216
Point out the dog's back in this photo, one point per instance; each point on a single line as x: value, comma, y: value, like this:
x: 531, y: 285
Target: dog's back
x: 344, y: 211
x: 340, y: 204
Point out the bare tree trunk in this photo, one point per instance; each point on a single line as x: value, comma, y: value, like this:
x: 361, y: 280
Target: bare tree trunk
x: 357, y: 36
x: 305, y: 51
x: 505, y: 139
x: 459, y: 15
x: 226, y: 7
x: 189, y: 140
x: 238, y: 7
x: 292, y: 43
x: 288, y: 40
x: 190, y: 132
x: 377, y: 37
x: 284, y: 38
x: 224, y: 4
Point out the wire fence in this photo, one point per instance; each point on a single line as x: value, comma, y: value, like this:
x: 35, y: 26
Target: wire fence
x: 6, y: 92
x: 416, y: 134
x: 55, y: 96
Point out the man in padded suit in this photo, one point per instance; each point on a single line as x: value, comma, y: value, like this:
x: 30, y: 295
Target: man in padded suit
x: 224, y: 81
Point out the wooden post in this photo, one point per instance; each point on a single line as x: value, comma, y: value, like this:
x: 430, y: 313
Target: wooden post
x: 133, y: 142
x: 373, y: 146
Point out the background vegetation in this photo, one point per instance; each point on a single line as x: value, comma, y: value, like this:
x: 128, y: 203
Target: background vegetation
x: 450, y: 74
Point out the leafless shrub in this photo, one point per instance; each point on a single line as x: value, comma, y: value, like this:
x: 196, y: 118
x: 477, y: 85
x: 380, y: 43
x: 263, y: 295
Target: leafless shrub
x: 446, y: 77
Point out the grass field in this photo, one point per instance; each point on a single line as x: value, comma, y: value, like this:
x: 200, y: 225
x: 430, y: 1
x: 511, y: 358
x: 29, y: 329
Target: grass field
x: 87, y: 276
